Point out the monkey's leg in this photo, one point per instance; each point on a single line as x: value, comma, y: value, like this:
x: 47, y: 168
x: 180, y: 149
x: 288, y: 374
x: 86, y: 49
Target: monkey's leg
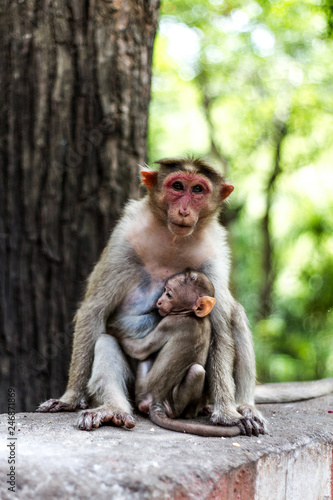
x: 143, y: 399
x: 245, y: 374
x: 108, y: 387
x: 188, y: 394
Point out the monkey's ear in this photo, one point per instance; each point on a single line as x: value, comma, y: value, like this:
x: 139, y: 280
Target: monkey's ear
x: 203, y: 306
x: 149, y: 177
x: 226, y: 190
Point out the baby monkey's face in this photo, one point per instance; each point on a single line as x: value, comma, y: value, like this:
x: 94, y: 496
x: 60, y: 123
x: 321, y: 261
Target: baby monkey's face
x: 177, y: 298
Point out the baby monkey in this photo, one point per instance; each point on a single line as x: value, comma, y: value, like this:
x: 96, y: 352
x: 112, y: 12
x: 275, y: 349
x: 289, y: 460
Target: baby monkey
x: 172, y: 384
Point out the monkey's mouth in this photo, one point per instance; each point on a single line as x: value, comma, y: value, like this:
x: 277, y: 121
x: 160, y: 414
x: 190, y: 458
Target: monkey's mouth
x: 162, y: 312
x: 182, y: 226
x: 180, y: 229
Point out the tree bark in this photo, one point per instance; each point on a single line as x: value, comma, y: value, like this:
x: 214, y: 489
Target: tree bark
x: 74, y: 94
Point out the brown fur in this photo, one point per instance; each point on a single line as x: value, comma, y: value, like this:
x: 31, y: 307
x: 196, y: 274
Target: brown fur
x: 174, y: 385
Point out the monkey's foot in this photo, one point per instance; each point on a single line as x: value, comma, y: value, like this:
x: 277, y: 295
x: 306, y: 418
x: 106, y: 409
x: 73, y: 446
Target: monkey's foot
x: 248, y: 420
x: 54, y: 405
x: 99, y: 416
x: 144, y: 405
x: 253, y: 421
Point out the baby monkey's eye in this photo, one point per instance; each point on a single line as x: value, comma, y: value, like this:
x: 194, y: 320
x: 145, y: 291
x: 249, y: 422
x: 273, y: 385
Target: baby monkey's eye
x: 169, y: 295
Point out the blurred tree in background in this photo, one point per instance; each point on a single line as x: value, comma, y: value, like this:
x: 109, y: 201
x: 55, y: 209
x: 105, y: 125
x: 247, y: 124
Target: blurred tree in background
x: 250, y: 86
x: 74, y: 94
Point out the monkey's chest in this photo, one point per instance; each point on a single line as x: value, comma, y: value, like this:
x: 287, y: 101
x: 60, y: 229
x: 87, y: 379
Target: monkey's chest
x: 164, y: 263
x: 137, y: 315
x: 163, y: 254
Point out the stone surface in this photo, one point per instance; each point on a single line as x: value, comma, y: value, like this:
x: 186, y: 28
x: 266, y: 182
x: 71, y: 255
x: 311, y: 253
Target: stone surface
x: 53, y: 459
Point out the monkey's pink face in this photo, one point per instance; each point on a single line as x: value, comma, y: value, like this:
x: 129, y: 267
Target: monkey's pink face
x: 186, y: 195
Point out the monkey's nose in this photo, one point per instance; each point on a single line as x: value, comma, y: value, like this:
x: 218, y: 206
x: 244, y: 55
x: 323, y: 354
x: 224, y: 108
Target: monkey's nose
x: 184, y: 212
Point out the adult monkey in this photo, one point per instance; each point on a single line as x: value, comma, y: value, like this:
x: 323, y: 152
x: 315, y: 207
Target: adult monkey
x: 171, y: 229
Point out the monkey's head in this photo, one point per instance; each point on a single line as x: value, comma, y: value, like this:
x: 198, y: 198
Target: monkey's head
x: 184, y: 193
x: 186, y: 293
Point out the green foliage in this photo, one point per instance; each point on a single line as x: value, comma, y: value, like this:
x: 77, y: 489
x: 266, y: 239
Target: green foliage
x: 250, y: 86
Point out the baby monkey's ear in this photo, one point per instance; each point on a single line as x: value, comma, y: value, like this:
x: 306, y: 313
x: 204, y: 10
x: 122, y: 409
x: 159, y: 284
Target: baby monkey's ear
x: 203, y: 306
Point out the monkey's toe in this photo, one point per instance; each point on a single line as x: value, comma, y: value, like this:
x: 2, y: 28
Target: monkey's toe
x: 61, y: 406
x: 83, y: 404
x: 85, y: 422
x: 120, y: 419
x: 95, y: 418
x: 47, y: 405
x: 54, y: 405
x: 249, y: 427
x: 128, y: 420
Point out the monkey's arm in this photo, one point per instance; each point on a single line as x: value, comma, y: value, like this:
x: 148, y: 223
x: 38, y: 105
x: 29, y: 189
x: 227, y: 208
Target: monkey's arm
x: 153, y: 342
x: 231, y: 361
x: 108, y: 284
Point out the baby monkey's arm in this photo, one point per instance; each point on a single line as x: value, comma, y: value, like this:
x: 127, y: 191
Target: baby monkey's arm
x: 153, y: 342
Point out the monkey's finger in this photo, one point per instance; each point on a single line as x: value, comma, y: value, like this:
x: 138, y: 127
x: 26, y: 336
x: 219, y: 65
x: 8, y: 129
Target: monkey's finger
x: 242, y: 428
x: 61, y: 407
x: 83, y: 405
x: 123, y: 419
x: 117, y: 419
x: 248, y: 426
x: 255, y: 428
x: 129, y: 421
x: 251, y: 426
x: 96, y: 420
x: 44, y: 407
x: 85, y: 421
x: 261, y: 424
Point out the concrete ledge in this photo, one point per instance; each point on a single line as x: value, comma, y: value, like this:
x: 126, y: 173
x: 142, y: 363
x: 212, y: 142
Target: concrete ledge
x: 54, y: 460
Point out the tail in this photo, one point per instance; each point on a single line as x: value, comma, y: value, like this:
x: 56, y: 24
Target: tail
x: 160, y: 418
x: 293, y: 391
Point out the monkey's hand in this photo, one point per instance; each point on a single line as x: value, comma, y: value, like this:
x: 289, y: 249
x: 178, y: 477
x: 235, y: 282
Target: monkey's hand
x: 103, y: 414
x: 249, y: 420
x: 68, y: 402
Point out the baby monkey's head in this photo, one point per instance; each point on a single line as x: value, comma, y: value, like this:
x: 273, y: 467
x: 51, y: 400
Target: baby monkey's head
x: 187, y: 292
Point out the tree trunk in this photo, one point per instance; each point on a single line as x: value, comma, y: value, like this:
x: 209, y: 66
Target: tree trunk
x: 74, y: 95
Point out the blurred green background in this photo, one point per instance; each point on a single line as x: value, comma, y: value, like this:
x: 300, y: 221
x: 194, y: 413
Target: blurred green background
x: 249, y: 85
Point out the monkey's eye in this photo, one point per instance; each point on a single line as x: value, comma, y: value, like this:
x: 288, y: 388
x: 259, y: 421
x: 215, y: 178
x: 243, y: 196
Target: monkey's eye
x: 177, y: 186
x: 197, y: 189
x: 169, y: 295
